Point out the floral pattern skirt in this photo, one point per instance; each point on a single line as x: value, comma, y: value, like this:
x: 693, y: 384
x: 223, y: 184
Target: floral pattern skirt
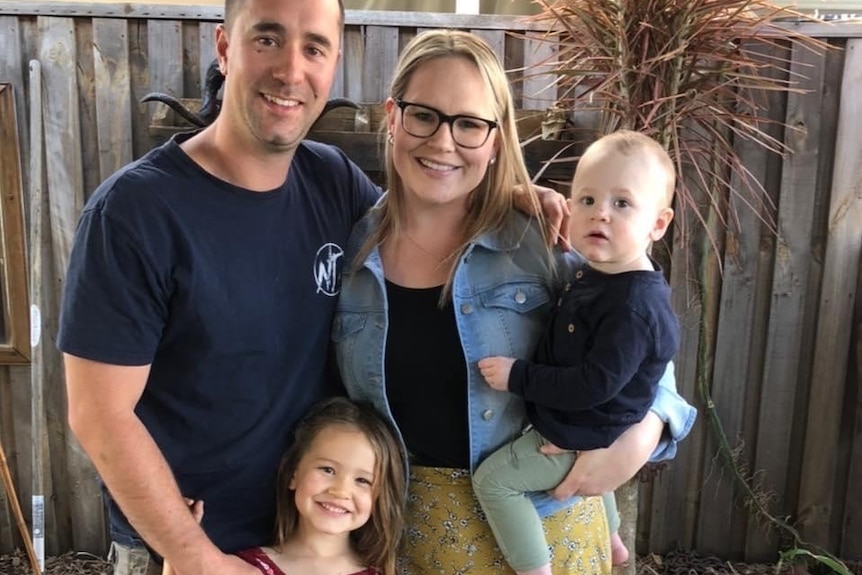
x: 447, y: 533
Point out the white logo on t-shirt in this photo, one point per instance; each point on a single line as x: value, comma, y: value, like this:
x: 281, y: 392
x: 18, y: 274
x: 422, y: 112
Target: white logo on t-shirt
x: 326, y: 268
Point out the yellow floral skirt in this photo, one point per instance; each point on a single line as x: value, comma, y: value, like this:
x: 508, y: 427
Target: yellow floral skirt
x: 447, y: 533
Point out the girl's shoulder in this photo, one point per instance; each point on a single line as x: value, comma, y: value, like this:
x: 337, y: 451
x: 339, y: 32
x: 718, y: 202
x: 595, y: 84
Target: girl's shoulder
x: 257, y: 557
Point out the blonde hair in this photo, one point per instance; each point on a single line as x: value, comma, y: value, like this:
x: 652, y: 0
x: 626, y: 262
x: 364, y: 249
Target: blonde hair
x: 491, y: 202
x: 628, y: 142
x: 376, y: 542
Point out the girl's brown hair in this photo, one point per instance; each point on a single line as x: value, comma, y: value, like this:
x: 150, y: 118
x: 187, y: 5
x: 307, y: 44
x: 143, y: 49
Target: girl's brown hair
x: 377, y: 541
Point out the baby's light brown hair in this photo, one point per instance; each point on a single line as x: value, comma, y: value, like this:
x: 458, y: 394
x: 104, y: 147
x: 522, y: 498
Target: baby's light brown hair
x: 628, y: 142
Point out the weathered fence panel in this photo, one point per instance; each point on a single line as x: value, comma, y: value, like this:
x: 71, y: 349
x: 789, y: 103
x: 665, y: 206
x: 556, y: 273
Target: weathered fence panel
x: 829, y: 366
x: 786, y: 373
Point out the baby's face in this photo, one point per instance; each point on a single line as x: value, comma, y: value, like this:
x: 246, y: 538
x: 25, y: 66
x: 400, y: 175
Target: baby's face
x: 618, y: 204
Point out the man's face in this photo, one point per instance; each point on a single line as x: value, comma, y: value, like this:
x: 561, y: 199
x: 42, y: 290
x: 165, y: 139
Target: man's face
x: 279, y: 60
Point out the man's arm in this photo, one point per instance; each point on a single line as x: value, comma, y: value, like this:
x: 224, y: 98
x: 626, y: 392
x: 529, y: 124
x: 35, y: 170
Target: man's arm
x: 555, y: 208
x: 102, y: 400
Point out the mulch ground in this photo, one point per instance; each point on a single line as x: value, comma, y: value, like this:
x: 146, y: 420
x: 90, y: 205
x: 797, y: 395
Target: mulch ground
x: 71, y: 563
x: 674, y: 563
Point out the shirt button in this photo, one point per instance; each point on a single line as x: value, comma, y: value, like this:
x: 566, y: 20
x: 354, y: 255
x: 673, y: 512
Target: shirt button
x: 571, y: 328
x: 487, y: 414
x: 579, y: 274
x: 520, y: 297
x: 466, y: 309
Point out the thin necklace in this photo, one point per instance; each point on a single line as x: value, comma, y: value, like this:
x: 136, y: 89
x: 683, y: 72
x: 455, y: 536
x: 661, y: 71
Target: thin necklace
x: 434, y: 256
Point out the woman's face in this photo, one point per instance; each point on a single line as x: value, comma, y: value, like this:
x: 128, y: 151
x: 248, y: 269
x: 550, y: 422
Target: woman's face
x: 436, y: 171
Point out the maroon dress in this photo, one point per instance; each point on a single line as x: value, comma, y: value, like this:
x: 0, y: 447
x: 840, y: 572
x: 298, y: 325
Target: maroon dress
x: 257, y: 557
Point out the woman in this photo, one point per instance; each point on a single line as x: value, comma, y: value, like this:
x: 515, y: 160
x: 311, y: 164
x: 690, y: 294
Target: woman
x: 445, y: 272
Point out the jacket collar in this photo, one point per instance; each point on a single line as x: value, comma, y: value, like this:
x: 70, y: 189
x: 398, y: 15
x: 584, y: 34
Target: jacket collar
x: 507, y: 238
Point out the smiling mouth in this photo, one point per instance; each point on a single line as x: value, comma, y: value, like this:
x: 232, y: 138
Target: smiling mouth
x: 283, y: 102
x: 333, y: 508
x: 435, y: 166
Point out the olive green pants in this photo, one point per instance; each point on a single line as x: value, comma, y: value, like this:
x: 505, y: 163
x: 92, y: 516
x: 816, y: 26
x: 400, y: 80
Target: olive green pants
x: 501, y: 482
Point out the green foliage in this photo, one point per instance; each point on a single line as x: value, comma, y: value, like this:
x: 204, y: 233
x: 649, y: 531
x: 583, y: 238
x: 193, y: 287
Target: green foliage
x: 791, y: 555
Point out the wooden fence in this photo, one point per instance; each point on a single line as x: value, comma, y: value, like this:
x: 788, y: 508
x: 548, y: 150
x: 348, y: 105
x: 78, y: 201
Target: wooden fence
x: 787, y: 365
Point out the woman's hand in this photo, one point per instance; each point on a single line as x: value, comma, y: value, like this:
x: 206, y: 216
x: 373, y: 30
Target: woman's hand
x: 602, y: 470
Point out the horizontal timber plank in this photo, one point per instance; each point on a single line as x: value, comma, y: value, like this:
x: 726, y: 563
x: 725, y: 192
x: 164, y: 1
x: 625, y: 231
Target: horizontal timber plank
x: 192, y: 11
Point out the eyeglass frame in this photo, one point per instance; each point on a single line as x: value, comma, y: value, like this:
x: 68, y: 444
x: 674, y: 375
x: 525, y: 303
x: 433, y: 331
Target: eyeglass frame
x: 446, y: 119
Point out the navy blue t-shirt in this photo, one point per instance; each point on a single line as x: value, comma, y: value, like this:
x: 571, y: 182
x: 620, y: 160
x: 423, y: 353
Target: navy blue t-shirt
x: 228, y: 294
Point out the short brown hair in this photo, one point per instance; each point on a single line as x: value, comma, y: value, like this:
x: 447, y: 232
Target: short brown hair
x: 231, y: 7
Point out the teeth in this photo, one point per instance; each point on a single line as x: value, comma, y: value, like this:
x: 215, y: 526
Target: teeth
x: 435, y: 165
x: 280, y: 101
x: 333, y: 508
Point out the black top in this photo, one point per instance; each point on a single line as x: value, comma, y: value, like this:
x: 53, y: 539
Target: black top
x: 598, y: 364
x: 426, y: 377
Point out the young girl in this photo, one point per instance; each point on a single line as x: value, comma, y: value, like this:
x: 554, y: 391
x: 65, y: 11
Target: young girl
x: 340, y: 500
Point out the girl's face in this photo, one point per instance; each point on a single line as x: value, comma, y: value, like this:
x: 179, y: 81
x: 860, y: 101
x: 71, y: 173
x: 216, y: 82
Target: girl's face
x: 435, y: 170
x: 334, y: 482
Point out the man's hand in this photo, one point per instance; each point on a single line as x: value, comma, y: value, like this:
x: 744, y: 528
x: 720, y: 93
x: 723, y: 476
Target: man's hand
x: 230, y: 565
x: 496, y: 371
x: 555, y: 208
x: 602, y: 470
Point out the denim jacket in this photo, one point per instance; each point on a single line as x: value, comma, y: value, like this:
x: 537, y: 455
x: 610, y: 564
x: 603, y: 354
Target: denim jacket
x: 503, y: 289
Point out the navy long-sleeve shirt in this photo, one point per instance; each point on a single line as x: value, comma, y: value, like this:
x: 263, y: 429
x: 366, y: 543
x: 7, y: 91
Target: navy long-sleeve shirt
x: 598, y: 364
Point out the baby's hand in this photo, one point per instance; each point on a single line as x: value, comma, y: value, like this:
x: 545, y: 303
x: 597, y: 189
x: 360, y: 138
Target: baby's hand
x: 496, y: 371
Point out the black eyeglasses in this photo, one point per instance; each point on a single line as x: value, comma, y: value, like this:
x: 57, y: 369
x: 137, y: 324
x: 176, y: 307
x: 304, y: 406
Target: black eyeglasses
x: 423, y: 122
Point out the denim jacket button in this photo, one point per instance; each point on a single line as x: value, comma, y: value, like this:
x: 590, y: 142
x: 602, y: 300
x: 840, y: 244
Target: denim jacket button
x: 520, y: 297
x: 466, y: 309
x: 487, y: 414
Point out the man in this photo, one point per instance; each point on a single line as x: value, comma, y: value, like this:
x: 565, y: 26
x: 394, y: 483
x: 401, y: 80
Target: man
x: 199, y: 297
x: 201, y: 287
